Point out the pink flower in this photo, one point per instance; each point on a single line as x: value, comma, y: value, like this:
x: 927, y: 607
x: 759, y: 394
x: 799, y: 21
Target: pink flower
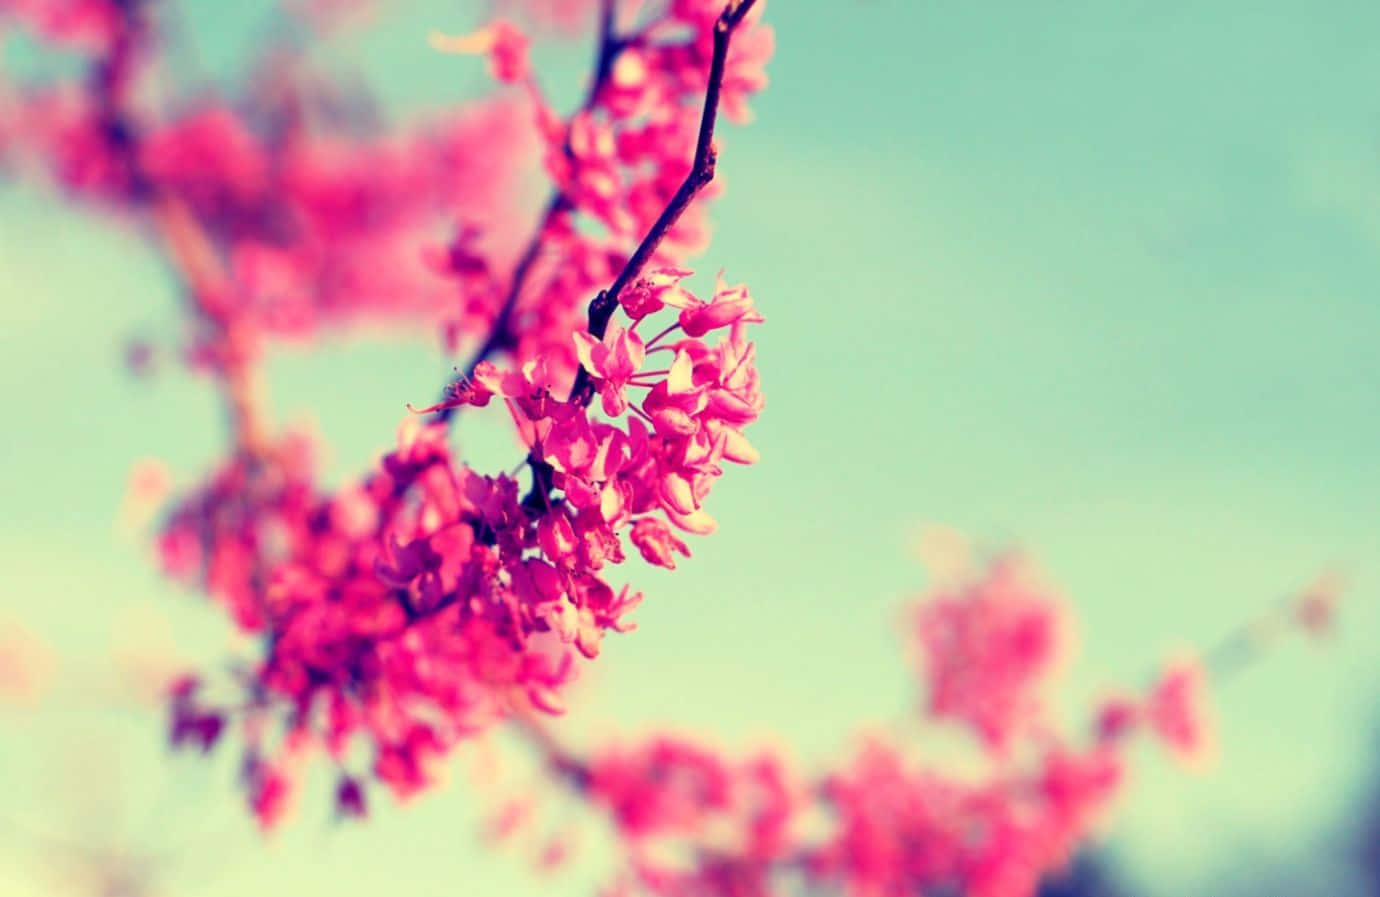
x: 1078, y: 787
x: 675, y: 403
x: 270, y: 791
x: 647, y: 295
x: 88, y: 25
x: 1175, y: 711
x: 508, y: 53
x: 614, y: 360
x: 666, y: 785
x: 653, y: 538
x: 986, y: 648
x: 1315, y: 610
x: 729, y: 305
x: 211, y: 157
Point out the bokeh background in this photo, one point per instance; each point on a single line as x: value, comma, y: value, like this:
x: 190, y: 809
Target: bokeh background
x: 1096, y: 280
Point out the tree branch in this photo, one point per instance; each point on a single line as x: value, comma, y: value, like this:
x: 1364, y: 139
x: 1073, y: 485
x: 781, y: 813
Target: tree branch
x: 568, y: 766
x: 701, y: 172
x: 185, y: 242
x: 500, y: 336
x: 1250, y: 640
x: 203, y: 274
x: 701, y: 169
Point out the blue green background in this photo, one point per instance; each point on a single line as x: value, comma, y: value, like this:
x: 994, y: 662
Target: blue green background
x: 1096, y: 280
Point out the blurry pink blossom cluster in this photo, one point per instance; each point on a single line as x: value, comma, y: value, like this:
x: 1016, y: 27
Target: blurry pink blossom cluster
x: 317, y: 218
x: 884, y: 819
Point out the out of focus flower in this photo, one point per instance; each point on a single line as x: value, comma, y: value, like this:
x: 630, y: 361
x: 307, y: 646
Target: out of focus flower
x: 1176, y: 711
x: 26, y: 664
x: 985, y: 648
x: 1315, y: 610
x: 502, y: 41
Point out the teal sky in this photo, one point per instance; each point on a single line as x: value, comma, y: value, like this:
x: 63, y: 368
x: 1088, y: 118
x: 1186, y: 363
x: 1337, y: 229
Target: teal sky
x: 1097, y: 280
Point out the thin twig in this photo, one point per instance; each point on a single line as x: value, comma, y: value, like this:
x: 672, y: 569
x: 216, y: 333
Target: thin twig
x: 562, y: 760
x: 601, y: 309
x: 567, y: 765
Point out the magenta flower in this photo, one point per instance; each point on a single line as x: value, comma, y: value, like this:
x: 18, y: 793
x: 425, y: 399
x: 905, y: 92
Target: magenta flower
x: 1175, y: 711
x: 729, y: 305
x: 654, y: 539
x: 649, y: 294
x: 614, y: 360
x: 986, y: 648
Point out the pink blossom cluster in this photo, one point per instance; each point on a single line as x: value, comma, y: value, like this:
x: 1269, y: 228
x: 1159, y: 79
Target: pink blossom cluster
x: 417, y: 607
x: 422, y: 604
x: 986, y: 647
x: 1173, y: 709
x: 906, y: 829
x: 615, y: 163
x: 885, y: 818
x: 316, y: 217
x: 694, y: 821
x: 668, y: 450
x: 88, y: 25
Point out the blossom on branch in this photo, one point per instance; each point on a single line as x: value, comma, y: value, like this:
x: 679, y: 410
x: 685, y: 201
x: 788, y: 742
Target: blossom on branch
x: 986, y: 648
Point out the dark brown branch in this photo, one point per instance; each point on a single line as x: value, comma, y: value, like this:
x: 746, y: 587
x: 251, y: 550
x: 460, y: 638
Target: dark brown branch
x: 701, y: 173
x: 500, y: 335
x: 601, y: 309
x: 701, y: 169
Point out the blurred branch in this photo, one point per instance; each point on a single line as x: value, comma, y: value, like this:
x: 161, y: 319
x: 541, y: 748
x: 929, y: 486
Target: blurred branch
x: 565, y: 763
x: 1312, y: 609
x: 203, y: 273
